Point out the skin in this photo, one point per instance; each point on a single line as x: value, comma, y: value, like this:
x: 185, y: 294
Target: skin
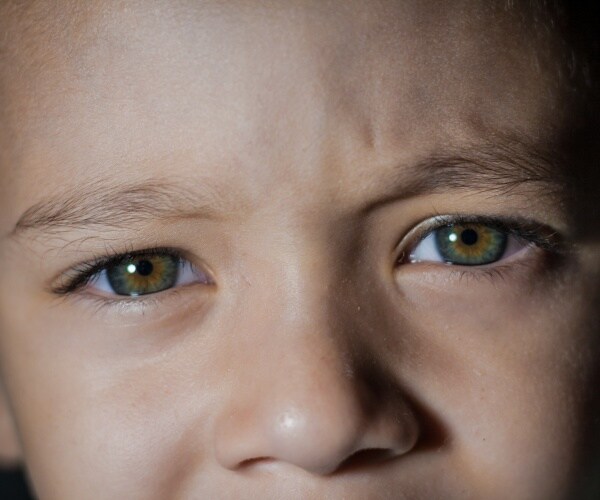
x: 314, y: 365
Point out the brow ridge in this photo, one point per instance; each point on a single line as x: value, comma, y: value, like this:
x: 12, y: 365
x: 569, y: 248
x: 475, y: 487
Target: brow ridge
x: 499, y: 167
x: 106, y: 204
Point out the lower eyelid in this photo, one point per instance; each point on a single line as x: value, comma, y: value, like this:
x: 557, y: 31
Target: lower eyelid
x: 451, y: 280
x: 125, y: 311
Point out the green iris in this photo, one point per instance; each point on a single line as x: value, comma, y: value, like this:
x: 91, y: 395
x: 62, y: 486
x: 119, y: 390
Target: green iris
x: 143, y: 274
x: 470, y: 244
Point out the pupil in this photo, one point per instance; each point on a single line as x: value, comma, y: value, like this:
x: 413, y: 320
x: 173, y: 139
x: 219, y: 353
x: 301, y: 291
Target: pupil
x: 469, y: 236
x: 144, y: 267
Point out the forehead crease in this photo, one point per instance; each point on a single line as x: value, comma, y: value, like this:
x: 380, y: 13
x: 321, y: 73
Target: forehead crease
x: 386, y: 73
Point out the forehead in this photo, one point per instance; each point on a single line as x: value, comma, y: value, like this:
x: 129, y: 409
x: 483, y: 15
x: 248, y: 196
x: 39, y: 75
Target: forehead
x: 259, y: 95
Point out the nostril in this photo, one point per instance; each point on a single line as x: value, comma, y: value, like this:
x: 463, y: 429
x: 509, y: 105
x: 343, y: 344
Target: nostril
x: 365, y: 458
x: 358, y: 460
x: 254, y: 461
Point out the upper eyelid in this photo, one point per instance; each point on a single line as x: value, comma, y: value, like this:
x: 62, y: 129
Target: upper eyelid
x: 507, y: 224
x: 512, y: 225
x: 527, y: 229
x: 82, y: 273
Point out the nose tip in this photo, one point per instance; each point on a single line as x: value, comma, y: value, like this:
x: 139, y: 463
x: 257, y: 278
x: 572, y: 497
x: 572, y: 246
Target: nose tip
x: 328, y: 432
x: 311, y: 446
x: 348, y: 438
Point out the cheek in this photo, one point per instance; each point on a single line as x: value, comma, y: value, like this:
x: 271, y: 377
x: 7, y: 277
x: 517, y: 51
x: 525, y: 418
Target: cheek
x: 140, y: 424
x: 503, y: 362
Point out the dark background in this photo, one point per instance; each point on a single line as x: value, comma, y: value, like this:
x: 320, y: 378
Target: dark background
x: 13, y: 485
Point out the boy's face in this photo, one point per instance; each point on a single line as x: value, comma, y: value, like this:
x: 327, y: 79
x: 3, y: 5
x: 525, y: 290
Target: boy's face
x: 294, y: 155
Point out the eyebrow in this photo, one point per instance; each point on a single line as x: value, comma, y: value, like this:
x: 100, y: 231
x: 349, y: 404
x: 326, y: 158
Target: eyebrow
x: 102, y: 203
x: 499, y: 168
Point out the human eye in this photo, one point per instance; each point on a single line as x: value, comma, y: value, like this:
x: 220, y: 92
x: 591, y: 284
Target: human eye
x: 132, y: 274
x: 476, y: 241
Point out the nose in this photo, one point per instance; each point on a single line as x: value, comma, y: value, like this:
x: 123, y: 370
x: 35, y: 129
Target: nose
x: 312, y: 403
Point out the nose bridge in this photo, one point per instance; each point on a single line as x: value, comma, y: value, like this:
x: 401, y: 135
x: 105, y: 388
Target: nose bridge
x: 314, y: 363
x: 300, y: 398
x: 306, y: 280
x: 295, y: 289
x: 301, y: 317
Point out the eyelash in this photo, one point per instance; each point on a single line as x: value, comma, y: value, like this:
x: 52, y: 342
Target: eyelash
x: 82, y: 274
x: 525, y: 230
